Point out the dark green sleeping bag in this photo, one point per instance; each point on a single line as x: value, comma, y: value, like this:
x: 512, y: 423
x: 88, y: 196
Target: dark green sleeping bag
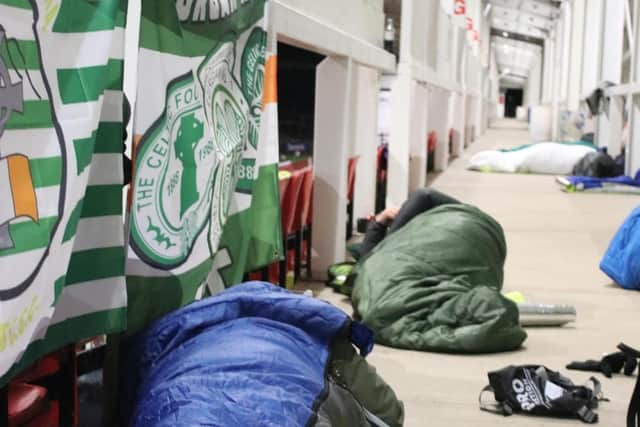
x: 435, y: 284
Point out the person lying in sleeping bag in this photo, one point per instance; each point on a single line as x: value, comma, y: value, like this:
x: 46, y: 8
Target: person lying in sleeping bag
x: 430, y: 278
x: 254, y: 355
x: 392, y: 219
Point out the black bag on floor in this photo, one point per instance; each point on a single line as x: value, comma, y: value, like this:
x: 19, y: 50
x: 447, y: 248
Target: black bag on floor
x: 536, y: 390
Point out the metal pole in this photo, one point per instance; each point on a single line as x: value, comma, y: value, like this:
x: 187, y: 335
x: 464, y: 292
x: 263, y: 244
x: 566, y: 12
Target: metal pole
x: 633, y: 145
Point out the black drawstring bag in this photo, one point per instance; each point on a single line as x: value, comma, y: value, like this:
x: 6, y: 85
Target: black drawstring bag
x: 536, y: 390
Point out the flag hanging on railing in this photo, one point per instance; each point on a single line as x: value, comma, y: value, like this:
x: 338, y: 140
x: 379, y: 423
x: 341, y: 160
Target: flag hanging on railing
x: 61, y: 230
x: 252, y: 236
x: 204, y: 156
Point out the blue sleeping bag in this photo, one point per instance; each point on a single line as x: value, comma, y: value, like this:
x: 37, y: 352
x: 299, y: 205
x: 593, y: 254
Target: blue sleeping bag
x: 621, y: 262
x: 589, y: 182
x: 254, y: 355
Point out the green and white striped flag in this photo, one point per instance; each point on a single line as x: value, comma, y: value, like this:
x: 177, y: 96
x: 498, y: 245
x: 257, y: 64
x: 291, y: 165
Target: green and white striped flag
x: 61, y: 231
x: 202, y: 138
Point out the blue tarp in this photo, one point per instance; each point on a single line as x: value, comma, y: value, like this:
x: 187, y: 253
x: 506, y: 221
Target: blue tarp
x: 621, y: 262
x: 252, y: 355
x: 587, y: 182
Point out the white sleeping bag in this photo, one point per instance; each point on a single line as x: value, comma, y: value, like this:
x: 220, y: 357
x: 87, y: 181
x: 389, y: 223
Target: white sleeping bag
x: 553, y: 158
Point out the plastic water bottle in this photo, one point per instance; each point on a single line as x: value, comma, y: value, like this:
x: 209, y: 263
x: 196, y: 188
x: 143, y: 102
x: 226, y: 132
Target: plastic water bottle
x: 389, y: 36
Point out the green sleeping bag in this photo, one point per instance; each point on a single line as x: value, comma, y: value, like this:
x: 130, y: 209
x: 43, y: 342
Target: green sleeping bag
x: 434, y: 285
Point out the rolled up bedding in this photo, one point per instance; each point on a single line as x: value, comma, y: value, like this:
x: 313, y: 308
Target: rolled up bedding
x: 553, y: 158
x: 546, y: 314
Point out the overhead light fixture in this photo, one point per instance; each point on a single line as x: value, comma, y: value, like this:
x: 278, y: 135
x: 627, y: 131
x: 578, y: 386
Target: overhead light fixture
x: 505, y: 34
x: 487, y: 9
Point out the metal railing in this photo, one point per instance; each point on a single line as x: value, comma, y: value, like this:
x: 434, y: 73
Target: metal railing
x: 625, y: 98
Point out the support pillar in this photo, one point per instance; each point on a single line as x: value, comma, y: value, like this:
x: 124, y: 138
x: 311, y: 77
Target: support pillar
x: 610, y: 123
x: 547, y: 83
x: 457, y: 120
x: 592, y: 47
x: 438, y: 121
x: 633, y: 147
x: 418, y: 143
x: 535, y: 76
x: 478, y: 116
x: 567, y: 27
x: 575, y: 64
x: 331, y: 151
x: 556, y: 91
x: 365, y: 117
x: 399, y: 147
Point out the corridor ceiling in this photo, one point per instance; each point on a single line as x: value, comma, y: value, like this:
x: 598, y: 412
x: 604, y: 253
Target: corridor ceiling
x: 519, y: 27
x: 515, y: 58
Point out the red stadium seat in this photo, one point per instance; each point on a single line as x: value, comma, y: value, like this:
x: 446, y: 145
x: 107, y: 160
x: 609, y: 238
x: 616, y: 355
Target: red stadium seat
x: 26, y: 401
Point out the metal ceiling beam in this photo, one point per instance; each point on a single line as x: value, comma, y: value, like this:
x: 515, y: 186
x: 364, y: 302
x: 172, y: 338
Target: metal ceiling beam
x: 517, y: 36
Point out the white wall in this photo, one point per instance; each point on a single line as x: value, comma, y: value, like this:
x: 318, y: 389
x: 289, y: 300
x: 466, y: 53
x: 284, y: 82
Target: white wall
x: 444, y: 66
x: 485, y: 46
x: 362, y: 18
x: 351, y: 29
x: 430, y: 25
x: 414, y: 42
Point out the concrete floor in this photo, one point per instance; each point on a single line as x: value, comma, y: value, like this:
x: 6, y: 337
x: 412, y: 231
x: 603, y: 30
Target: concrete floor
x: 555, y: 243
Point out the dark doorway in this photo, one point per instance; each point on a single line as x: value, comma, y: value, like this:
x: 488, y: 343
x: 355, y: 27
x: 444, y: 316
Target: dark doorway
x: 296, y: 100
x: 512, y: 100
